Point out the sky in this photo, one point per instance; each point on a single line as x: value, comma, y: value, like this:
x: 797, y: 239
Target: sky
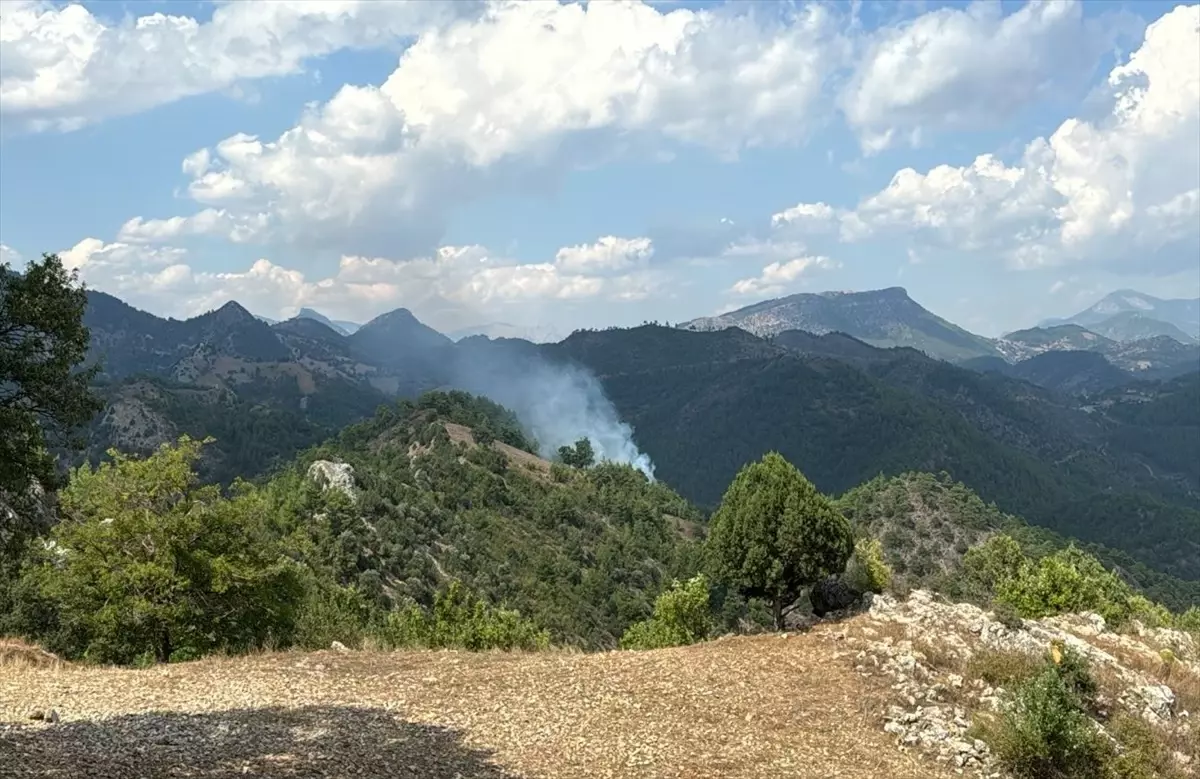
x: 529, y: 168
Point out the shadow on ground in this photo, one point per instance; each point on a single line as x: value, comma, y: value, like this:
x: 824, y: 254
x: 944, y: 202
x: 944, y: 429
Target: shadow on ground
x: 271, y: 743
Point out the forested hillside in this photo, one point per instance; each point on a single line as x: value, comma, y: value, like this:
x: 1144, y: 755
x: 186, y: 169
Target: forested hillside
x: 700, y: 404
x: 1094, y: 473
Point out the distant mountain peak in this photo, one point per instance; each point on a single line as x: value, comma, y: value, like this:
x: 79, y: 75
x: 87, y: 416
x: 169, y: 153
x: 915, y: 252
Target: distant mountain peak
x: 880, y: 317
x: 233, y: 313
x: 1128, y: 315
x: 317, y: 316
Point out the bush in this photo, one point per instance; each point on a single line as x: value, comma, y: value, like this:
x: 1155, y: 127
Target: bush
x: 867, y: 571
x: 681, y: 616
x: 1045, y: 733
x: 459, y: 619
x: 1069, y: 580
x: 329, y: 613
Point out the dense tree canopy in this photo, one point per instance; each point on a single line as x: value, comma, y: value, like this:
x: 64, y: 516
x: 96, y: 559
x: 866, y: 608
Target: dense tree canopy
x: 43, y: 395
x: 774, y: 534
x: 147, y: 563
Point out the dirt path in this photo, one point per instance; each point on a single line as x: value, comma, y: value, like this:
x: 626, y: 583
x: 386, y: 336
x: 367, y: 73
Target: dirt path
x: 744, y: 707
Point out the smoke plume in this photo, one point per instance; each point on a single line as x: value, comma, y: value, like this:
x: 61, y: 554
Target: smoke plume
x: 557, y: 403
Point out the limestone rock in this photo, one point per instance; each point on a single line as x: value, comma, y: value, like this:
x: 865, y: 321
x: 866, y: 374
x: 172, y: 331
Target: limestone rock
x: 335, y: 476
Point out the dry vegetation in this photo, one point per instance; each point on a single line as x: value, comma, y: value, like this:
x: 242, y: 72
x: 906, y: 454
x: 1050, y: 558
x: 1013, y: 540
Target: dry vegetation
x: 739, y: 707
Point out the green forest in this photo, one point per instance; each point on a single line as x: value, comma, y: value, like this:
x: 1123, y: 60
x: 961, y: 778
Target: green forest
x: 435, y: 523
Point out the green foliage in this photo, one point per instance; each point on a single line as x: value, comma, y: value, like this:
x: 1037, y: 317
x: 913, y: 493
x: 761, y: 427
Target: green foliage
x: 1067, y: 581
x: 147, y: 562
x: 1046, y: 732
x: 42, y: 394
x: 1190, y: 620
x: 774, y: 534
x: 867, y: 571
x: 581, y: 455
x: 580, y: 553
x: 681, y: 616
x: 331, y: 613
x: 460, y: 619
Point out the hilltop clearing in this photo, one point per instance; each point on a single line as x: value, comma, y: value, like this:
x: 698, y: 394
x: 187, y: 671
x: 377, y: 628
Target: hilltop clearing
x: 740, y: 707
x: 906, y: 689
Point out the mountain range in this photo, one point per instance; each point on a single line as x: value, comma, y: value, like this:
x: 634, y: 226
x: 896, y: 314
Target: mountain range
x: 1113, y: 465
x: 1121, y: 329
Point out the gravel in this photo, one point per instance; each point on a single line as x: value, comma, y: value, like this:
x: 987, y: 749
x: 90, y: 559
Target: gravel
x: 767, y: 706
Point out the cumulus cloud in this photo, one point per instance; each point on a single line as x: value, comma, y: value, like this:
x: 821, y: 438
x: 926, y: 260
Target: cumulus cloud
x: 969, y: 68
x: 526, y: 89
x: 1122, y: 189
x: 807, y: 217
x: 9, y: 256
x: 64, y: 67
x: 238, y: 228
x: 458, y: 281
x: 610, y: 253
x: 776, y: 276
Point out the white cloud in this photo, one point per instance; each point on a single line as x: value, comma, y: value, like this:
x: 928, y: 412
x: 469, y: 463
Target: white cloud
x: 610, y: 253
x: 64, y: 67
x: 238, y: 228
x: 463, y: 281
x: 807, y: 217
x: 778, y: 275
x: 968, y: 68
x: 9, y: 256
x: 530, y: 87
x: 1120, y: 190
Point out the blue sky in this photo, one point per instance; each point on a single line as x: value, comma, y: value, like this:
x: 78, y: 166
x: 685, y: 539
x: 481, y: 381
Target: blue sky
x: 536, y: 167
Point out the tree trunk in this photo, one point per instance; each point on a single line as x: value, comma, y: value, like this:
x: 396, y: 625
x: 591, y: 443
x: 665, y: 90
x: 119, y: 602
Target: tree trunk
x: 777, y: 611
x: 164, y: 646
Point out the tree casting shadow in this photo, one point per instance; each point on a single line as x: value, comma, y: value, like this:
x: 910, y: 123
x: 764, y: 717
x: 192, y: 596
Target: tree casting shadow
x: 272, y: 743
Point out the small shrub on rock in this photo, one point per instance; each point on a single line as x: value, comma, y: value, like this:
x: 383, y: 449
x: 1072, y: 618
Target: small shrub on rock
x: 867, y: 571
x: 1046, y: 731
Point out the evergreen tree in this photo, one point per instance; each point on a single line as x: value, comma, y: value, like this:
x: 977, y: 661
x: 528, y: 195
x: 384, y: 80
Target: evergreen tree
x: 42, y: 395
x: 775, y: 535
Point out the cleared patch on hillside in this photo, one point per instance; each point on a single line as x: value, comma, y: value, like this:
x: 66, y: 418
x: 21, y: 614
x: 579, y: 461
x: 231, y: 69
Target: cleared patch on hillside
x: 740, y: 707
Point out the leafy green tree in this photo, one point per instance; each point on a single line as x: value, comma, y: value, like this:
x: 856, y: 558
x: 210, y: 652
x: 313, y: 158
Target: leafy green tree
x: 774, y: 534
x: 581, y: 455
x: 42, y: 394
x: 681, y: 616
x: 147, y: 564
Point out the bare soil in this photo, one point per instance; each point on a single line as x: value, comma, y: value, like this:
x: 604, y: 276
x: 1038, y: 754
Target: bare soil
x: 764, y: 706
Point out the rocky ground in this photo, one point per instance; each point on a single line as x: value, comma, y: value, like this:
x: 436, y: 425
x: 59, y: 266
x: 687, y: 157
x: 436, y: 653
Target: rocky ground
x: 890, y: 693
x: 937, y: 656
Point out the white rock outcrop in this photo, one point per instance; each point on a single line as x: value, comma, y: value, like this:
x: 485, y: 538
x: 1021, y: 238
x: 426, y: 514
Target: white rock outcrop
x: 334, y: 476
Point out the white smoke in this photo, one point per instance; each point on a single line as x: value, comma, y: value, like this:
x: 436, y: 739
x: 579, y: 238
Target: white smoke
x: 558, y: 405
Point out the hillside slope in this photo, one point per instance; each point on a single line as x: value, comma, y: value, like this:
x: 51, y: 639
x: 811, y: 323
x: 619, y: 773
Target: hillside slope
x: 1034, y: 453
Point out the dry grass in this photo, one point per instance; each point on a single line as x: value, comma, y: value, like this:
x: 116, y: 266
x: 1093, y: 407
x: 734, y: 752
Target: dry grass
x: 740, y: 707
x: 18, y: 655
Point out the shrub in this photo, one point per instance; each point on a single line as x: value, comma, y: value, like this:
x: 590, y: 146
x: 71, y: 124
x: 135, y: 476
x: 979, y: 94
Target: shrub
x: 1142, y: 754
x: 681, y: 616
x: 459, y: 619
x: 330, y: 613
x: 146, y: 561
x: 1045, y: 733
x: 867, y: 571
x: 1069, y: 580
